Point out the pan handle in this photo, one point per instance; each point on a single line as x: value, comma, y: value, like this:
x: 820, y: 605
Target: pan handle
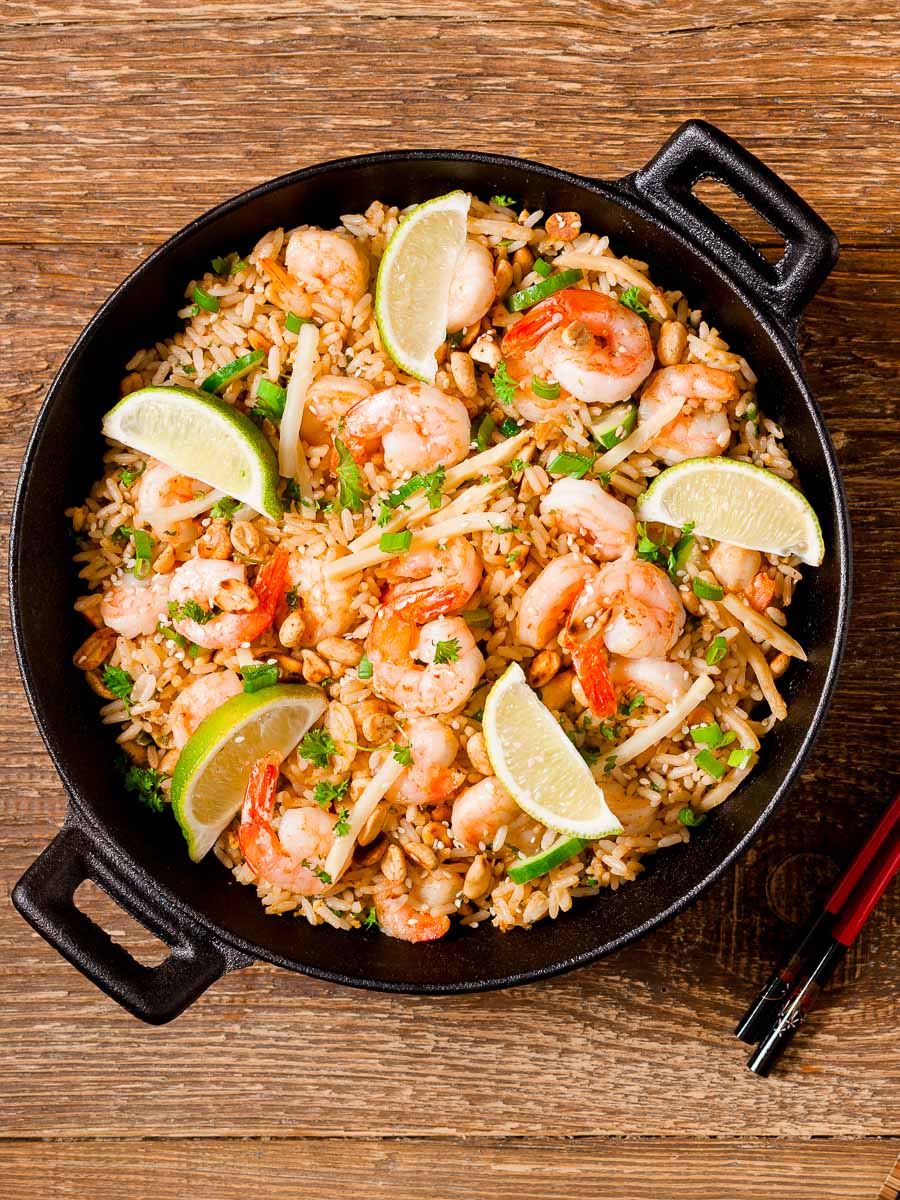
x: 698, y: 150
x: 44, y: 897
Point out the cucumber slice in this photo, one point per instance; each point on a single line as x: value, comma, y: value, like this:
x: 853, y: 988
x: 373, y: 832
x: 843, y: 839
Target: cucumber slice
x: 545, y: 860
x: 615, y: 425
x: 236, y: 369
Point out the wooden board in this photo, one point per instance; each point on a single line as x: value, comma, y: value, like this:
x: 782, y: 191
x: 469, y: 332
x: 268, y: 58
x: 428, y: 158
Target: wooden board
x: 118, y: 124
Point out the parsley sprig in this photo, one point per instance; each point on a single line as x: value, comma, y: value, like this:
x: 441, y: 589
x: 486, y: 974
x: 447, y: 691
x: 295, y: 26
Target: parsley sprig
x: 317, y: 747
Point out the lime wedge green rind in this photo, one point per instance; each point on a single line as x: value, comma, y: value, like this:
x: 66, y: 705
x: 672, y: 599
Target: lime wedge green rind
x: 736, y: 502
x: 412, y: 289
x: 538, y: 765
x: 202, y: 436
x: 211, y: 774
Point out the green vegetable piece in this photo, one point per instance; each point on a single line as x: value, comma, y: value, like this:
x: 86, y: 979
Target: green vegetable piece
x: 270, y: 400
x: 486, y: 427
x: 540, y: 291
x: 119, y: 682
x: 631, y: 299
x: 145, y: 784
x: 708, y: 762
x: 543, y: 268
x: 447, y: 652
x: 236, y: 369
x: 205, y: 300
x: 395, y: 543
x: 718, y: 648
x: 615, y: 425
x: 509, y: 427
x: 477, y: 618
x: 688, y: 817
x: 292, y: 322
x: 538, y: 864
x: 574, y: 465
x: 505, y: 386
x: 351, y: 493
x: 364, y: 670
x: 503, y: 201
x: 225, y: 508
x: 546, y: 391
x: 706, y: 591
x: 257, y: 676
x: 326, y: 793
x: 317, y: 747
x: 402, y: 754
x: 711, y: 735
x: 739, y: 758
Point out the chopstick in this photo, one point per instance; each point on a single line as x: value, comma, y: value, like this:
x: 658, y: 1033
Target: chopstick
x: 764, y: 1009
x: 806, y: 990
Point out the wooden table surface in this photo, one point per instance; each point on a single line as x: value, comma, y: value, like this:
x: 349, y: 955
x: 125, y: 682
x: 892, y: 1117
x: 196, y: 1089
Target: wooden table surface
x: 118, y: 123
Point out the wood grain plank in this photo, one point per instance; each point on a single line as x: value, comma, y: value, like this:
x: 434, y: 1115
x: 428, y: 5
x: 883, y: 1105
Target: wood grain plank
x: 491, y: 1169
x: 131, y: 105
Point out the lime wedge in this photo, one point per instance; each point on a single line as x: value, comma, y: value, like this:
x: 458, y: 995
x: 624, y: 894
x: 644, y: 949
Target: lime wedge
x: 202, y: 436
x: 538, y: 765
x: 211, y: 774
x: 413, y: 286
x: 735, y: 502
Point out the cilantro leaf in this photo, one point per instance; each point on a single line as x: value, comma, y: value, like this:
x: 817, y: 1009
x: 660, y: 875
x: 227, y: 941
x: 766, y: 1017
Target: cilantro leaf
x: 447, y: 652
x: 370, y: 920
x: 503, y: 201
x: 119, y: 682
x: 317, y: 747
x: 144, y: 783
x: 226, y: 507
x: 342, y: 825
x: 351, y: 493
x: 129, y: 474
x: 504, y: 385
x: 190, y: 610
x: 402, y: 754
x: 688, y: 817
x: 631, y: 299
x: 326, y: 793
x: 626, y: 708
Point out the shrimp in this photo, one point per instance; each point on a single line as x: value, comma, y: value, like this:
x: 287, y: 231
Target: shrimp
x: 471, y: 286
x: 734, y: 567
x: 582, y: 506
x: 598, y: 350
x: 452, y: 572
x: 480, y: 811
x: 201, y: 580
x: 325, y: 604
x: 418, y: 428
x: 395, y: 640
x: 399, y: 917
x: 134, y: 607
x: 327, y: 402
x: 322, y: 260
x: 657, y: 677
x: 546, y: 603
x: 637, y: 607
x: 160, y: 488
x: 432, y: 778
x: 701, y: 428
x: 284, y: 859
x: 194, y: 703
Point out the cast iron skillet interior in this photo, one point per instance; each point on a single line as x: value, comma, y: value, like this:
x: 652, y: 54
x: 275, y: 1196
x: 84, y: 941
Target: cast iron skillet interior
x: 213, y: 924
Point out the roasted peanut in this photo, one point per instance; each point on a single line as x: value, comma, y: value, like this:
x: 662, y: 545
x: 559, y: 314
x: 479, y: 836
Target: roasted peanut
x: 393, y: 865
x: 168, y: 761
x: 544, y: 667
x: 292, y: 629
x: 779, y: 664
x: 435, y: 833
x: 341, y: 651
x: 96, y: 649
x: 89, y: 607
x: 368, y: 855
x: 563, y: 226
x: 486, y: 351
x: 442, y: 812
x: 234, y: 596
x: 290, y: 666
x: 258, y: 341
x: 463, y: 371
x: 477, y: 753
x: 373, y: 825
x: 246, y: 539
x: 315, y: 669
x: 478, y: 878
x: 469, y: 335
x: 423, y: 855
x: 523, y: 261
x: 672, y: 343
x: 503, y: 277
x: 216, y: 540
x: 339, y: 723
x: 164, y: 561
x: 556, y: 693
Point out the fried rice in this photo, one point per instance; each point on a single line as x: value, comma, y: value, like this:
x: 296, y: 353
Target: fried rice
x: 658, y: 796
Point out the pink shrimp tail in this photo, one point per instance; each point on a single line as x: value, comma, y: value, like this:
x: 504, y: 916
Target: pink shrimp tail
x: 259, y: 800
x: 270, y: 583
x: 527, y: 332
x: 592, y: 668
x: 424, y: 605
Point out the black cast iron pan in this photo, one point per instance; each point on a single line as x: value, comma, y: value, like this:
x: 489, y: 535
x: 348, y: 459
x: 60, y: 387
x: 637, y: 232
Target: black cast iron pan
x: 214, y: 925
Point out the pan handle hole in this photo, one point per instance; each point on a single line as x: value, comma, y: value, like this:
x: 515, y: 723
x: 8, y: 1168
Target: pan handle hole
x: 738, y: 213
x: 122, y: 928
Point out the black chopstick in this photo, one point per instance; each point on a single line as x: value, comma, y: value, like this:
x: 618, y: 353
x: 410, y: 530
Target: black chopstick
x: 808, y: 986
x: 764, y: 1009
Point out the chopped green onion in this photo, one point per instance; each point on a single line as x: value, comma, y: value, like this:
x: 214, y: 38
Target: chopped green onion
x: 688, y: 817
x: 708, y: 762
x: 717, y: 651
x: 271, y: 399
x: 739, y: 758
x: 364, y: 670
x: 706, y: 591
x: 574, y: 465
x: 509, y: 427
x: 477, y: 618
x: 259, y: 675
x: 236, y: 369
x: 395, y: 543
x: 143, y: 553
x: 546, y: 391
x: 711, y: 735
x: 681, y: 551
x: 189, y: 369
x: 627, y: 707
x: 205, y: 300
x: 486, y: 427
x: 292, y: 322
x: 543, y: 268
x: 129, y: 474
x: 540, y: 291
